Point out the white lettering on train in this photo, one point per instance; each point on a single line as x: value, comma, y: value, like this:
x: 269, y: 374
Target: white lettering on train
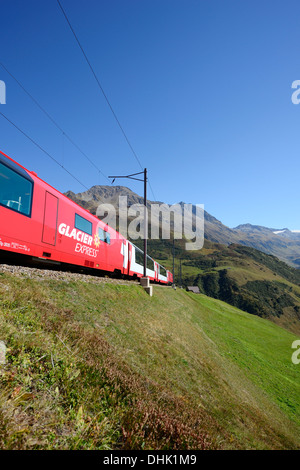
x: 85, y: 250
x: 64, y: 229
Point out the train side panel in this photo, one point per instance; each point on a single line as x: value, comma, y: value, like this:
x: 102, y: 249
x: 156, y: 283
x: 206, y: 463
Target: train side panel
x: 38, y: 221
x: 83, y: 239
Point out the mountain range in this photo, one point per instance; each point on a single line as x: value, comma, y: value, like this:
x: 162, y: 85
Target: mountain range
x: 280, y: 242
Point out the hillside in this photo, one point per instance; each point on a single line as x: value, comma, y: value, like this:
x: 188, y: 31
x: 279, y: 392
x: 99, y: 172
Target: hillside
x: 246, y: 278
x: 94, y: 363
x: 283, y: 244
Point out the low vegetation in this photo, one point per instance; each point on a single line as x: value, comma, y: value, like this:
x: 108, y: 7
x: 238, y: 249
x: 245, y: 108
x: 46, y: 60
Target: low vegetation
x: 104, y: 366
x: 246, y: 278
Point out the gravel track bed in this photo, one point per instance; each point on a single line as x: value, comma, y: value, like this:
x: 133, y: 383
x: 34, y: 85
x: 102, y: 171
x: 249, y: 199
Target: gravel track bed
x: 45, y: 274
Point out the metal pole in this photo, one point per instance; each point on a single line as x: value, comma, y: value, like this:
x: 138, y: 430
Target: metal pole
x: 173, y: 261
x: 180, y: 274
x: 145, y: 222
x: 145, y: 210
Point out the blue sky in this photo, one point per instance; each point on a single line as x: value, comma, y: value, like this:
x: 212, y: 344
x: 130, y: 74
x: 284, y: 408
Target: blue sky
x: 201, y: 88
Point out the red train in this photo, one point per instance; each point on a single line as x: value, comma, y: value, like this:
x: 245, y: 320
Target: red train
x: 41, y: 224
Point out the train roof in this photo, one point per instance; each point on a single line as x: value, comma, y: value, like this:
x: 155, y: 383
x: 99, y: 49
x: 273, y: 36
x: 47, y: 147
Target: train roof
x: 14, y: 166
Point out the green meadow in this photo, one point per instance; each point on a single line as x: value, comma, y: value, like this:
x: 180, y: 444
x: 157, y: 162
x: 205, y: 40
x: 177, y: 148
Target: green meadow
x: 93, y: 364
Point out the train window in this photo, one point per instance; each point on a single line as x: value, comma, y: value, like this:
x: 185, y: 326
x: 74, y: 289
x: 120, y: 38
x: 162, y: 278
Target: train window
x: 101, y: 234
x: 15, y: 191
x: 150, y: 263
x: 139, y: 257
x: 104, y: 236
x: 162, y: 271
x: 83, y: 224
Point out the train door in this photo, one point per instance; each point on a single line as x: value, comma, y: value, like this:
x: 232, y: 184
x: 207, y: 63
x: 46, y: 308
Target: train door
x: 50, y: 219
x: 129, y: 255
x: 125, y: 253
x: 156, y: 270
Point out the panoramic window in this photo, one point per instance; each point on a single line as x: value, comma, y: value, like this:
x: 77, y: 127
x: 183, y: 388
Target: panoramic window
x: 83, y: 224
x: 150, y: 263
x: 139, y: 257
x: 162, y: 271
x: 15, y: 191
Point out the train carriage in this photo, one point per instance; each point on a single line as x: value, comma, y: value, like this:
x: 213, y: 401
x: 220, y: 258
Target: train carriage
x: 136, y: 264
x: 38, y: 221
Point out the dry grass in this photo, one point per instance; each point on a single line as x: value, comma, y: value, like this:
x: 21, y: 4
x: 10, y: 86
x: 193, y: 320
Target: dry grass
x: 95, y: 366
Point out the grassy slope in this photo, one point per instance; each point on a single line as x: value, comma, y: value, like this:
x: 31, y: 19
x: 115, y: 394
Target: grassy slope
x: 101, y: 365
x: 244, y: 266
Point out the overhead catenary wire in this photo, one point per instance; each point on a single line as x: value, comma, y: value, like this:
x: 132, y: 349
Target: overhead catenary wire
x: 51, y: 119
x: 103, y: 92
x: 43, y: 150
